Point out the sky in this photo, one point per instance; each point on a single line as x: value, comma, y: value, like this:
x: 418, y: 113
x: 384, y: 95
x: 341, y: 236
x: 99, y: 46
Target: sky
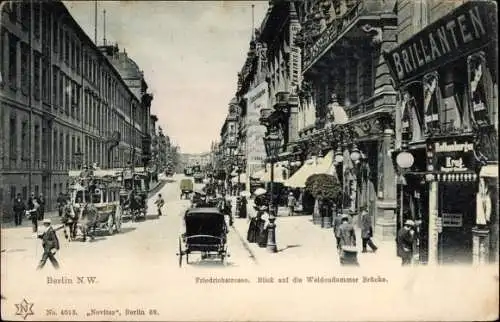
x: 190, y: 53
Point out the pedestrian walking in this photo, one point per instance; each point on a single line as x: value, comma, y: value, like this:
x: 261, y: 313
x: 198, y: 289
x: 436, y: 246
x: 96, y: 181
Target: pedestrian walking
x: 337, y: 221
x: 262, y: 225
x: 33, y: 214
x: 348, y: 253
x: 30, y: 204
x: 41, y: 209
x: 243, y: 207
x: 346, y: 232
x: 367, y: 231
x: 50, y: 244
x: 18, y: 209
x: 291, y: 204
x: 159, y: 203
x: 405, y: 239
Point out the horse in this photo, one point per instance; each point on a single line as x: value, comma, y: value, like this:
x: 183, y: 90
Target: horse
x: 70, y: 221
x: 89, y: 220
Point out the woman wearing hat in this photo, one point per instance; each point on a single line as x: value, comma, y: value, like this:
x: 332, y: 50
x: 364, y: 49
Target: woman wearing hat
x: 405, y: 239
x: 262, y: 223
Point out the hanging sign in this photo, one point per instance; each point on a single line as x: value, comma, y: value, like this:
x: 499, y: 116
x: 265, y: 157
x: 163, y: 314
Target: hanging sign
x: 454, y: 155
x: 452, y: 220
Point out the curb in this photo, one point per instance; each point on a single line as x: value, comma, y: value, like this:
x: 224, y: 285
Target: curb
x: 246, y: 245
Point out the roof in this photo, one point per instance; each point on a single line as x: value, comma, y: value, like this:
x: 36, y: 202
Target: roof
x: 204, y: 211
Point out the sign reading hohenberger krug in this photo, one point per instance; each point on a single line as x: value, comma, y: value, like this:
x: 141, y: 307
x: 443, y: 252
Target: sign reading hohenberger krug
x: 459, y: 33
x: 453, y: 156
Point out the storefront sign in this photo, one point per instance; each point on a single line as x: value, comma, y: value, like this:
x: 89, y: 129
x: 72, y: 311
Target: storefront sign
x: 459, y: 33
x: 452, y: 156
x: 452, y: 220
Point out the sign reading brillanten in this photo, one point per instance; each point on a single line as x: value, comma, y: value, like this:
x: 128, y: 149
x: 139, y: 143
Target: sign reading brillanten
x: 464, y: 30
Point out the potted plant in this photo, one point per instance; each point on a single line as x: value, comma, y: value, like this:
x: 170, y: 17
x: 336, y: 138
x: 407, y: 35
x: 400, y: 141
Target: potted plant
x: 327, y: 193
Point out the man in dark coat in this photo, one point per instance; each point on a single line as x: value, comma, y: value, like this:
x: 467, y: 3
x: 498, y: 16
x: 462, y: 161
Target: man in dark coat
x: 30, y: 204
x: 18, y: 209
x: 346, y: 232
x: 50, y: 244
x: 405, y: 239
x: 367, y: 230
x: 41, y: 210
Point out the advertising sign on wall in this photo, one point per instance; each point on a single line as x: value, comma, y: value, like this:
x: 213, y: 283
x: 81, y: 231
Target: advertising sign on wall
x: 257, y: 98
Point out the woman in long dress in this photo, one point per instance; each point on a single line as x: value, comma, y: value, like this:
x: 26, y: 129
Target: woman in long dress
x: 263, y: 223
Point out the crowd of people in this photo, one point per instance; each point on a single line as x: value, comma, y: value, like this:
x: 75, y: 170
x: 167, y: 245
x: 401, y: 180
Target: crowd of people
x: 33, y: 209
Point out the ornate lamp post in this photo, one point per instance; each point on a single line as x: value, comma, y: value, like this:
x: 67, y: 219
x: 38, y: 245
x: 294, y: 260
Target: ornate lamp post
x: 272, y: 143
x: 404, y: 160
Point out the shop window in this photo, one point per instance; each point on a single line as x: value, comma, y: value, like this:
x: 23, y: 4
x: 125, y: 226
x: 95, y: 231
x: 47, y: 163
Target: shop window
x: 481, y: 94
x: 453, y: 114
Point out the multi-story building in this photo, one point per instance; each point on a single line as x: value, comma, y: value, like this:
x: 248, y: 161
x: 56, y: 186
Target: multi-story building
x: 347, y: 99
x: 63, y: 103
x: 445, y: 68
x: 229, y: 137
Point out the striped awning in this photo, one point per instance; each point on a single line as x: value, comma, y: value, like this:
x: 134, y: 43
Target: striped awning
x: 457, y: 177
x: 489, y: 171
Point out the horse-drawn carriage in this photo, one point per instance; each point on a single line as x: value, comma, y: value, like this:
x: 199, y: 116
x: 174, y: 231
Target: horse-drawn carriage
x: 93, y: 205
x: 205, y: 232
x: 134, y: 194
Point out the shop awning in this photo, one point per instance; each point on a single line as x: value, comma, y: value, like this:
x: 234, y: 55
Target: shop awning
x: 489, y: 171
x: 310, y: 167
x: 243, y: 178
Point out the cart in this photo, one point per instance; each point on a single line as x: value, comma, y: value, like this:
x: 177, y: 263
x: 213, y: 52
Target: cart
x: 205, y: 232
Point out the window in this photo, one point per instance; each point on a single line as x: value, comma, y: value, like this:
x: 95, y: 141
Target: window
x: 13, y: 11
x: 36, y: 76
x: 55, y: 36
x: 54, y: 190
x: 56, y: 149
x: 66, y: 48
x: 61, y: 41
x: 36, y: 20
x: 13, y: 138
x: 12, y: 192
x: 61, y: 148
x: 420, y: 15
x: 67, y: 94
x: 73, y: 150
x: 13, y: 61
x: 68, y: 152
x: 37, y: 142
x: 61, y: 187
x: 37, y: 190
x: 25, y: 193
x: 25, y: 15
x: 24, y: 140
x: 2, y: 55
x: 46, y: 81
x: 25, y: 68
x: 55, y: 73
x: 61, y: 91
x: 45, y: 144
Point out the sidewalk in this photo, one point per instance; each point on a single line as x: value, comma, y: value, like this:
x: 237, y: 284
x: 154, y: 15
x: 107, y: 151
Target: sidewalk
x: 300, y: 241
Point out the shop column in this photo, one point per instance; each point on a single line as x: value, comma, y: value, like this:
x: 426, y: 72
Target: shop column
x: 385, y: 222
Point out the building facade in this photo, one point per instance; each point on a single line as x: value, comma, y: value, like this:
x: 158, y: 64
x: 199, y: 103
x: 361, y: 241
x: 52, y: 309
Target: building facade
x: 445, y: 67
x: 63, y: 103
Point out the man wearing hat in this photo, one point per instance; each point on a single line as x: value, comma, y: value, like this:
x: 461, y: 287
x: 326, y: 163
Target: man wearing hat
x: 291, y: 203
x: 346, y: 232
x: 50, y: 244
x: 405, y: 239
x: 367, y: 230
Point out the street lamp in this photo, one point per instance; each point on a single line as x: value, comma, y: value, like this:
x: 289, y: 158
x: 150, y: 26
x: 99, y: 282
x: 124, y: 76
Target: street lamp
x: 272, y: 144
x: 404, y: 160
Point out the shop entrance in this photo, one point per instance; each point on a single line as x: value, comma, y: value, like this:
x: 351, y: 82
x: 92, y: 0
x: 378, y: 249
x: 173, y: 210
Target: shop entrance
x: 457, y: 205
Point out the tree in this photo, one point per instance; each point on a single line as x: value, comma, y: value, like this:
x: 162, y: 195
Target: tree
x: 324, y: 188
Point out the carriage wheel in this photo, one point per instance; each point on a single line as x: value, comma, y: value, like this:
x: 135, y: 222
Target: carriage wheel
x: 180, y: 253
x: 110, y: 225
